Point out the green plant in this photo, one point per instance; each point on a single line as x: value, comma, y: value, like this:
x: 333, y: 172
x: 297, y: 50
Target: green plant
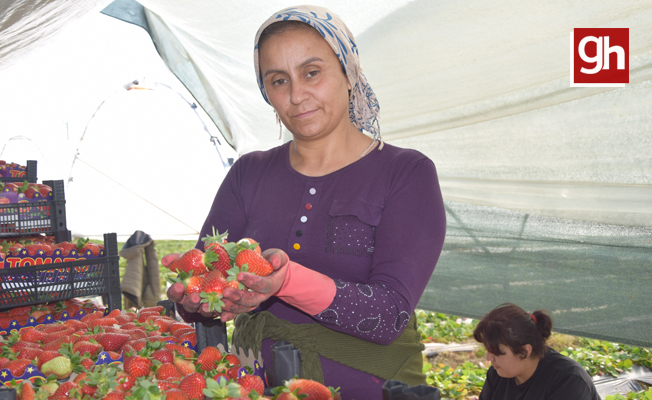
x: 646, y: 395
x: 442, y: 328
x: 456, y: 383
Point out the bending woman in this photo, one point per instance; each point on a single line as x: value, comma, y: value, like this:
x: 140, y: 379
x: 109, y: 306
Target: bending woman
x: 522, y: 366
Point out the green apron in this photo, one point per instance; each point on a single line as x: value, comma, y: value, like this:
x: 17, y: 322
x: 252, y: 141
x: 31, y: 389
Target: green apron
x: 402, y: 360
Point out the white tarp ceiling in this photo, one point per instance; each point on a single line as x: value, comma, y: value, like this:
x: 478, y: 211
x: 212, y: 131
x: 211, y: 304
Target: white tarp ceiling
x: 480, y: 87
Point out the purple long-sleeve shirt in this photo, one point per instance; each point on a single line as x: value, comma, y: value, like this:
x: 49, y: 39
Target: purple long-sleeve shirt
x: 376, y: 227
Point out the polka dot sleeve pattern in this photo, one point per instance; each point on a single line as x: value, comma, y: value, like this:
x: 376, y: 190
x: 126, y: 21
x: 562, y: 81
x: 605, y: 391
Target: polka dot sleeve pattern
x: 370, y: 312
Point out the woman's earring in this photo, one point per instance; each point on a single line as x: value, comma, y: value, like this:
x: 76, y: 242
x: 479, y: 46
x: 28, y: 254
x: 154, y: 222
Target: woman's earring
x: 280, y: 126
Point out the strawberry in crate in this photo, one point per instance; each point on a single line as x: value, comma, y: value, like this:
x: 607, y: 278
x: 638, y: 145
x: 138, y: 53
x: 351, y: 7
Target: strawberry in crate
x: 202, y: 276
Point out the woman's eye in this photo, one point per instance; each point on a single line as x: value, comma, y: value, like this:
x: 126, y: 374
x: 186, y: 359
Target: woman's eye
x: 278, y: 82
x: 312, y: 74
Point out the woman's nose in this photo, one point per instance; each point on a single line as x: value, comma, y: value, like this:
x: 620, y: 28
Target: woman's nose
x: 298, y: 93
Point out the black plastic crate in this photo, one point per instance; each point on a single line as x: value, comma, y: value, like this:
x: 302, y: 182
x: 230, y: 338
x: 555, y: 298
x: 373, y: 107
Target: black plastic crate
x: 30, y: 170
x: 49, y: 217
x: 61, y: 281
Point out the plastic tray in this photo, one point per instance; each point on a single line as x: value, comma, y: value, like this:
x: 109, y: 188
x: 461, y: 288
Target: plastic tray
x: 61, y: 281
x: 47, y: 217
x: 30, y: 174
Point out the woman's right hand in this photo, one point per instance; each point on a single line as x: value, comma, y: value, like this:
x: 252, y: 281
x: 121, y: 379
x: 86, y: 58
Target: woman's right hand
x: 188, y: 307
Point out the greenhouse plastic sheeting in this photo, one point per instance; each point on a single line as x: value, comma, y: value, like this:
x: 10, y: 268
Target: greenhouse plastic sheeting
x: 593, y: 278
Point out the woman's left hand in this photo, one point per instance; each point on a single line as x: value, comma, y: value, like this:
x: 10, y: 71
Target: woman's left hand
x: 261, y: 287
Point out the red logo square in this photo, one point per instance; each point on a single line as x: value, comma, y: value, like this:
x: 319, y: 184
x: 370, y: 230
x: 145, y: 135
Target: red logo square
x: 599, y: 57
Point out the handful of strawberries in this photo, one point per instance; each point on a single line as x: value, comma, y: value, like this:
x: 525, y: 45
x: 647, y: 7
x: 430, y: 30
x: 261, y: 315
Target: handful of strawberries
x: 203, y: 275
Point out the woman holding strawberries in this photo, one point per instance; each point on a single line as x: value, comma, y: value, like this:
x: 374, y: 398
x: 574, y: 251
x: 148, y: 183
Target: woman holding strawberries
x: 352, y: 226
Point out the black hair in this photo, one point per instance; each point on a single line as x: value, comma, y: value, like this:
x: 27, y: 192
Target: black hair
x: 511, y: 326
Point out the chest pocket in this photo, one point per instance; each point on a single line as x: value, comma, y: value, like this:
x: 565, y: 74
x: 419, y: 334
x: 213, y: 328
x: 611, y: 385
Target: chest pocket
x: 351, y: 228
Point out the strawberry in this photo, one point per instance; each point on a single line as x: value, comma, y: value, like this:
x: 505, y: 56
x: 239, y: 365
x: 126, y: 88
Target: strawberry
x: 113, y: 341
x: 44, y: 190
x: 193, y: 260
x: 66, y: 248
x: 85, y: 347
x: 189, y: 337
x: 252, y: 383
x: 249, y: 243
x: 216, y: 243
x: 209, y: 357
x: 313, y: 389
x: 232, y: 359
x: 92, y: 248
x: 163, y: 355
x: 211, y: 290
x: 28, y: 354
x: 60, y: 367
x: 17, y: 367
x: 168, y: 371
x: 180, y: 332
x: 175, y: 394
x: 178, y: 325
x: 184, y: 351
x: 27, y: 391
x: 186, y: 367
x: 251, y: 261
x: 47, y: 356
x: 113, y: 314
x: 115, y: 396
x: 106, y: 321
x: 232, y: 372
x: 158, y: 309
x: 64, y: 388
x: 193, y: 386
x: 24, y: 310
x: 56, y: 345
x: 139, y: 366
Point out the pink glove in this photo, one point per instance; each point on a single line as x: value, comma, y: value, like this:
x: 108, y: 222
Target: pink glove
x: 307, y: 290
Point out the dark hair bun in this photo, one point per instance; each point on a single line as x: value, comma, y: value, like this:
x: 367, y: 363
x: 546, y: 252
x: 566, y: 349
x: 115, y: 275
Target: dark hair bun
x: 544, y: 323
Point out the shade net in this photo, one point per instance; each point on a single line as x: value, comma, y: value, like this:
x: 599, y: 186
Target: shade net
x: 593, y: 278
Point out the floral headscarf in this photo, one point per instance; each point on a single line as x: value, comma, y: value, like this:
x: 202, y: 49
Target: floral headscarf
x: 363, y: 105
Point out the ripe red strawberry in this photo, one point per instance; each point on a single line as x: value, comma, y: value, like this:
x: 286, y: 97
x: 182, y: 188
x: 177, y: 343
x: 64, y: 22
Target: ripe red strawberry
x: 125, y: 381
x: 29, y: 354
x: 3, y: 361
x: 188, y: 337
x: 44, y: 190
x: 252, y: 383
x: 251, y: 261
x: 91, y: 317
x: 92, y: 248
x: 106, y: 321
x: 139, y: 366
x: 66, y: 248
x: 85, y: 347
x: 175, y: 394
x: 20, y: 345
x: 232, y: 372
x: 184, y: 351
x: 115, y: 395
x: 193, y: 386
x: 186, y: 367
x: 212, y: 288
x: 87, y: 363
x: 168, y: 371
x: 64, y: 388
x: 194, y: 261
x: 142, y: 317
x: 232, y: 359
x: 27, y: 391
x: 209, y: 357
x: 178, y: 325
x: 249, y: 243
x: 56, y: 345
x: 51, y: 337
x: 163, y: 355
x: 113, y: 314
x: 24, y: 310
x: 180, y: 332
x: 215, y: 243
x: 113, y: 341
x: 17, y: 367
x: 313, y: 389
